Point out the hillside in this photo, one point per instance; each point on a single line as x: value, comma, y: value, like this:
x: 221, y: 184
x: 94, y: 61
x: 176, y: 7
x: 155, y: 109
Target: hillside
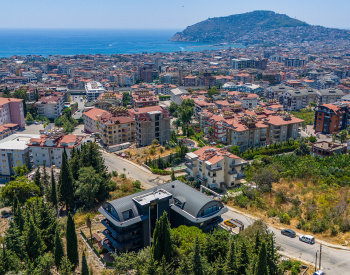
x: 257, y: 27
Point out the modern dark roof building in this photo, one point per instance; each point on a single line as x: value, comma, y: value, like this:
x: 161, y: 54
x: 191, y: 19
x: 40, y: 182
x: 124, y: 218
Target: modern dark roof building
x: 130, y: 221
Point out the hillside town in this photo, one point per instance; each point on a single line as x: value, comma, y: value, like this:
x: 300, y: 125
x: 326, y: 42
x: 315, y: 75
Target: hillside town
x: 195, y: 135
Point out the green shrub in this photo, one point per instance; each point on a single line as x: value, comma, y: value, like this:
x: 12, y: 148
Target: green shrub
x: 272, y: 212
x: 114, y: 173
x: 137, y: 184
x: 284, y: 218
x: 242, y: 201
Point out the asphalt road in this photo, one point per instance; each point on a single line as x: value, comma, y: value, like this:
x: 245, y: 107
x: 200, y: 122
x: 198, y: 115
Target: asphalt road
x: 334, y: 261
x: 79, y: 112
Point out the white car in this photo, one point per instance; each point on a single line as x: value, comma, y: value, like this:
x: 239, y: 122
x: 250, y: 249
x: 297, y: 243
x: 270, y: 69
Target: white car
x: 307, y: 239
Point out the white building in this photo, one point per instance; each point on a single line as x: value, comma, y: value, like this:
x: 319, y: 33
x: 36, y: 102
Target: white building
x: 215, y: 167
x: 14, y: 151
x: 176, y: 95
x: 49, y: 148
x: 90, y: 119
x: 93, y: 89
x: 50, y: 106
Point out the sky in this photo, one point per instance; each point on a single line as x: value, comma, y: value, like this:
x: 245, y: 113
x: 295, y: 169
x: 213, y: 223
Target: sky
x: 159, y: 14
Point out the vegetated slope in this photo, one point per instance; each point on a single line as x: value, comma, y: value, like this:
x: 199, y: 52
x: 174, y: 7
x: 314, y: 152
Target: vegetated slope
x: 257, y: 27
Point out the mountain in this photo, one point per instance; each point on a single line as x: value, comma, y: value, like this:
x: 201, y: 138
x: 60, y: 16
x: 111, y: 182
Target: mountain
x: 257, y: 27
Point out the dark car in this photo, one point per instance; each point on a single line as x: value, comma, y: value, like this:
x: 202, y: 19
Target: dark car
x: 288, y: 232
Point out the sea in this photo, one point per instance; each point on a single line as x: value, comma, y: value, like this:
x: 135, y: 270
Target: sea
x: 70, y: 42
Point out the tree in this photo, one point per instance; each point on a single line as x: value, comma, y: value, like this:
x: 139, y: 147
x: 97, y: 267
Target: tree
x: 65, y: 183
x: 261, y: 268
x: 173, y: 175
x: 45, y: 178
x: 197, y: 267
x: 185, y: 110
x: 242, y: 259
x: 53, y: 196
x: 22, y: 188
x: 21, y: 170
x: 231, y: 267
x: 162, y: 242
x: 235, y: 150
x: 173, y: 108
x: 34, y: 245
x: 271, y: 257
x: 312, y: 139
x: 37, y: 180
x: 343, y: 136
x: 211, y: 131
x: 46, y: 223
x: 303, y: 149
x: 84, y: 266
x: 211, y: 92
x: 155, y: 142
x: 264, y: 178
x: 66, y: 267
x: 58, y: 250
x: 29, y: 117
x: 88, y: 225
x: 72, y: 242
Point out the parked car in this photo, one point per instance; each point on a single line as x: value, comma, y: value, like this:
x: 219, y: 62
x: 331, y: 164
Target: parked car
x: 319, y: 272
x: 288, y: 232
x: 307, y: 239
x: 6, y: 215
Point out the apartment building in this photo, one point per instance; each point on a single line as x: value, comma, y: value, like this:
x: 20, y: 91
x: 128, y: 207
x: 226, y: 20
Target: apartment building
x: 294, y: 62
x: 49, y: 147
x: 130, y: 221
x: 93, y: 89
x: 295, y: 100
x: 163, y: 89
x: 249, y: 100
x: 12, y: 112
x: 327, y: 149
x: 90, y: 119
x: 144, y: 98
x: 50, y: 106
x: 275, y: 92
x: 190, y: 81
x: 116, y: 127
x: 176, y: 95
x: 327, y: 96
x: 14, y: 151
x: 242, y: 63
x: 151, y: 123
x: 332, y: 118
x: 282, y: 127
x: 215, y: 167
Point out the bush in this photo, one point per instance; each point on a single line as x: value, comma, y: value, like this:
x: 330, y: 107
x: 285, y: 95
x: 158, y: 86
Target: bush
x: 137, y: 184
x: 284, y: 218
x: 160, y: 172
x: 241, y: 201
x: 334, y: 231
x: 114, y: 173
x: 152, y: 151
x: 167, y: 147
x: 272, y: 212
x: 155, y: 142
x: 123, y: 176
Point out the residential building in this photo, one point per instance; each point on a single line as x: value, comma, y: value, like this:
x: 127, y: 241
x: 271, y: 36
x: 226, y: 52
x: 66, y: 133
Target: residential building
x: 151, y: 123
x: 331, y: 118
x: 249, y: 100
x: 50, y: 106
x: 282, y: 127
x: 93, y: 89
x: 49, y: 148
x: 144, y: 98
x: 14, y: 151
x: 116, y: 127
x: 327, y: 149
x: 190, y: 81
x: 327, y: 96
x: 12, y: 112
x: 90, y: 119
x: 242, y: 63
x: 176, y: 95
x: 295, y: 100
x: 130, y: 221
x: 294, y: 62
x: 215, y: 167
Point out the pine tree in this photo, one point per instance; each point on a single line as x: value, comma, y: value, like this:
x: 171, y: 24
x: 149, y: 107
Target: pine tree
x: 53, y: 197
x: 220, y: 266
x: 184, y: 269
x: 261, y: 268
x: 65, y: 183
x: 257, y: 243
x: 37, y: 180
x: 72, y: 242
x: 197, y: 267
x: 18, y: 218
x: 45, y: 178
x: 173, y: 175
x: 46, y: 224
x: 34, y: 245
x: 59, y: 254
x: 162, y: 242
x: 84, y: 266
x: 231, y: 266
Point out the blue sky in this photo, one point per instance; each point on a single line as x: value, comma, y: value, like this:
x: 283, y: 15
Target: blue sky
x: 159, y: 14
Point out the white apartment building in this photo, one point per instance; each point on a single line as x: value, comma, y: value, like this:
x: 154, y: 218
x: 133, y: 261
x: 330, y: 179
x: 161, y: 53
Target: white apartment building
x: 176, y: 95
x: 50, y: 147
x: 215, y: 167
x: 249, y: 101
x: 50, y: 106
x: 93, y: 89
x: 90, y: 119
x: 14, y: 151
x: 295, y: 100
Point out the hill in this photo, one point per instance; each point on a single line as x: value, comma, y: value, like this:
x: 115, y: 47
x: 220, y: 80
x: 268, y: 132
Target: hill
x: 257, y: 27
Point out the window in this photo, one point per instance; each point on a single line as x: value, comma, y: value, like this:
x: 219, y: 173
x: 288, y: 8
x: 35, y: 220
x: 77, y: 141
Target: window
x: 128, y: 214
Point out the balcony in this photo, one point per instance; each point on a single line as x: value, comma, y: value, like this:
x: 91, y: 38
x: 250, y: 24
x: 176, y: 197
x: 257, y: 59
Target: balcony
x: 240, y: 176
x: 189, y: 165
x: 213, y: 169
x: 232, y: 172
x: 201, y: 179
x: 237, y: 164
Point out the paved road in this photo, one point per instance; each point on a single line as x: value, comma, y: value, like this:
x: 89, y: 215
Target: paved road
x: 334, y: 261
x: 81, y: 105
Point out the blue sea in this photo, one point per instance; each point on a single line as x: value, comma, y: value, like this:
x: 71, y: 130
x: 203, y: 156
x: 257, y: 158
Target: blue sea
x: 69, y: 42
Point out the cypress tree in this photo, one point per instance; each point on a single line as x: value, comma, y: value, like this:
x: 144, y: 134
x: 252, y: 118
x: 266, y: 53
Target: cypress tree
x: 231, y: 266
x: 84, y: 266
x: 34, y: 244
x: 162, y: 242
x: 220, y: 266
x: 261, y: 268
x: 47, y: 224
x: 243, y: 260
x: 45, y: 177
x: 37, y: 180
x: 173, y: 175
x: 65, y: 183
x: 72, y: 242
x: 18, y: 218
x: 184, y: 268
x: 257, y: 243
x: 53, y: 197
x: 197, y: 267
x: 271, y: 257
x: 59, y: 254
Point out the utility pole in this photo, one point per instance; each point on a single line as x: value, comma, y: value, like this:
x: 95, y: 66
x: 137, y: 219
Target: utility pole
x: 316, y: 262
x: 320, y: 257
